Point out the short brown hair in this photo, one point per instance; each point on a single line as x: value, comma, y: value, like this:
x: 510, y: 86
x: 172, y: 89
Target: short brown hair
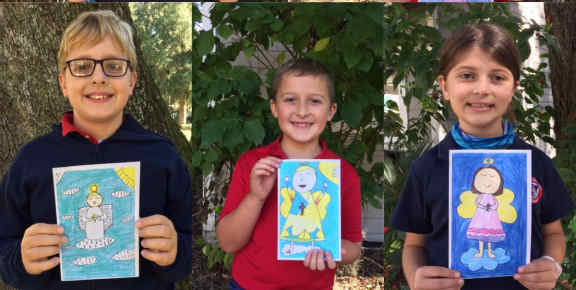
x: 93, y: 27
x: 490, y: 38
x: 303, y: 67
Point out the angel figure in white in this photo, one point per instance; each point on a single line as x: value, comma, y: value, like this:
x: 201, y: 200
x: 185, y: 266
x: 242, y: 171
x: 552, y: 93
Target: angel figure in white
x: 95, y: 219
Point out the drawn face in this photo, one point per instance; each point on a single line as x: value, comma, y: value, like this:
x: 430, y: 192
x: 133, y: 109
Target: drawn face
x: 487, y: 180
x: 94, y: 200
x: 304, y: 180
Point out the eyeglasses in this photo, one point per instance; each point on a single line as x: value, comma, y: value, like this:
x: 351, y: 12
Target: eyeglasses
x: 112, y: 67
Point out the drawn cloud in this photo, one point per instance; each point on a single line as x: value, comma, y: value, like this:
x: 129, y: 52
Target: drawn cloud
x: 66, y: 217
x: 123, y: 255
x: 289, y: 250
x: 71, y: 191
x: 485, y: 262
x: 120, y: 194
x: 126, y: 219
x: 82, y: 261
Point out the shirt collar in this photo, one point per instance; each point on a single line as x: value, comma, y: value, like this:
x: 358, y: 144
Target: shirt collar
x: 276, y: 149
x: 68, y: 127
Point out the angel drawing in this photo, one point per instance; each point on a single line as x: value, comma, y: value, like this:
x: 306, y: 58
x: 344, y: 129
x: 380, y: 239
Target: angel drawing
x: 488, y: 205
x: 303, y: 209
x: 94, y: 219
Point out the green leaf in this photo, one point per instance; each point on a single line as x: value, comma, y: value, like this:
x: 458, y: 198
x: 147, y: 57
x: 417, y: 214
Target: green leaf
x: 351, y: 112
x: 277, y: 25
x: 249, y: 51
x: 254, y: 131
x: 352, y: 57
x: 211, y: 132
x: 321, y: 44
x: 281, y: 57
x: 196, y: 158
x: 204, y: 42
x: 224, y: 30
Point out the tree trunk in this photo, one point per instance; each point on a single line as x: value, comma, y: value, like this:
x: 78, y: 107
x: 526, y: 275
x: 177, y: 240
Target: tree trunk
x: 30, y: 98
x: 563, y: 68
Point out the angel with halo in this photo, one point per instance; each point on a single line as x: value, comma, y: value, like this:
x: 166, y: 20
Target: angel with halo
x: 94, y: 219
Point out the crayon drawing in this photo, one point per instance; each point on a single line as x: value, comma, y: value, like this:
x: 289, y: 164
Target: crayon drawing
x: 97, y: 206
x: 308, y: 207
x: 490, y: 212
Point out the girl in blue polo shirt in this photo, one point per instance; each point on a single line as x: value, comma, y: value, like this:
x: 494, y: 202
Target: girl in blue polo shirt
x: 479, y: 73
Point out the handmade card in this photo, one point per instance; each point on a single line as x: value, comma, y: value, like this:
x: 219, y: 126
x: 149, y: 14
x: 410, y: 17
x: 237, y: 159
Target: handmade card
x: 490, y: 211
x: 97, y: 205
x: 308, y: 207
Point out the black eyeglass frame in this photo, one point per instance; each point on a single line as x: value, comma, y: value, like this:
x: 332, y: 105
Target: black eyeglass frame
x: 101, y: 62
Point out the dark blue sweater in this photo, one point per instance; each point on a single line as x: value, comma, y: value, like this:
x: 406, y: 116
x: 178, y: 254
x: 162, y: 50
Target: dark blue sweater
x: 27, y: 197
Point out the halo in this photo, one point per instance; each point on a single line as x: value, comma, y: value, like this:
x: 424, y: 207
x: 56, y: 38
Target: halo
x: 488, y: 161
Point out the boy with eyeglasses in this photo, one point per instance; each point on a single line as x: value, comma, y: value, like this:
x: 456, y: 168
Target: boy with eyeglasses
x: 97, y: 73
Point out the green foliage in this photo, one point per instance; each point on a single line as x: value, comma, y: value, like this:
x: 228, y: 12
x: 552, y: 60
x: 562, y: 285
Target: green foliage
x: 214, y: 255
x: 231, y: 109
x: 165, y: 30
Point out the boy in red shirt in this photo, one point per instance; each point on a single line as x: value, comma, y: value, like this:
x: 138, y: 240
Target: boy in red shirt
x: 302, y: 104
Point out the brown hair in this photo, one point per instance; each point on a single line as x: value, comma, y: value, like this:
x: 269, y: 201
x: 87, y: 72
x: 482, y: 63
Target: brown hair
x: 500, y: 187
x: 93, y: 27
x: 492, y: 39
x: 303, y: 67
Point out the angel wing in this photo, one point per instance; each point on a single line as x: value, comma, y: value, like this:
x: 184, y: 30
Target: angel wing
x: 287, y: 196
x: 506, y: 211
x: 107, y: 215
x: 322, y: 200
x: 467, y: 206
x: 82, y: 219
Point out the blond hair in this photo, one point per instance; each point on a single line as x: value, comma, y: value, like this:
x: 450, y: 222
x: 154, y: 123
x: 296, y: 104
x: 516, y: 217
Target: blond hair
x: 93, y: 27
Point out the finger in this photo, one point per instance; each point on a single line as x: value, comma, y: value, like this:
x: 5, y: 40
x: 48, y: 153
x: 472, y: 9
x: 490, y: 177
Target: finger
x: 547, y: 276
x: 438, y: 272
x: 442, y: 283
x: 164, y: 245
x: 160, y: 258
x: 307, y: 260
x: 263, y: 172
x: 331, y: 263
x: 44, y: 229
x: 268, y: 164
x: 319, y: 260
x: 537, y: 266
x: 274, y: 161
x: 156, y: 219
x: 38, y: 267
x: 156, y: 231
x: 40, y: 253
x: 43, y: 240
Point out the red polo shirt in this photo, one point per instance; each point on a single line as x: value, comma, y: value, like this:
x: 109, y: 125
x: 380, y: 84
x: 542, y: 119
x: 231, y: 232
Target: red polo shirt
x: 68, y: 127
x: 255, y: 266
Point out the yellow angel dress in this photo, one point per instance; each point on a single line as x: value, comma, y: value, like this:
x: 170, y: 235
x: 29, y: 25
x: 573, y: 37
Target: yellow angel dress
x: 304, y: 213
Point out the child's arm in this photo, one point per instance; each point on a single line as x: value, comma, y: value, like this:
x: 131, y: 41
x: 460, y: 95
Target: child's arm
x: 420, y: 276
x: 543, y: 273
x: 235, y: 229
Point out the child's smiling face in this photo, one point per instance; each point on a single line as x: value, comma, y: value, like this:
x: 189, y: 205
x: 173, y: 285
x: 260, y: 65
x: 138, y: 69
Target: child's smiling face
x: 487, y: 180
x: 302, y: 107
x: 304, y: 180
x: 97, y: 99
x: 479, y: 90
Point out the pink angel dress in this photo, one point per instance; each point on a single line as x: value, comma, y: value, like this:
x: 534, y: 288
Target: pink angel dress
x: 486, y: 225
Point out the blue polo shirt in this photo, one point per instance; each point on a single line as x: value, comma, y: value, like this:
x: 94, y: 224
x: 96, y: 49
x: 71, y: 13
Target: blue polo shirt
x: 423, y: 205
